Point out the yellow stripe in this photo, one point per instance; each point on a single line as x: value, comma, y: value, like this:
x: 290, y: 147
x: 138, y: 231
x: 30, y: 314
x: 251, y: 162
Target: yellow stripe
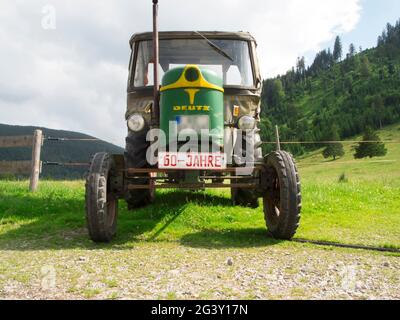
x: 199, y: 83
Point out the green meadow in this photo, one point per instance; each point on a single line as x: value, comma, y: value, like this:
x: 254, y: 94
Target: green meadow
x: 363, y: 209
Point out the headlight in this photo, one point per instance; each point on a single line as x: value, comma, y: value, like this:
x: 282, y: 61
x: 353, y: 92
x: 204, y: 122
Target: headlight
x: 136, y: 122
x: 247, y: 123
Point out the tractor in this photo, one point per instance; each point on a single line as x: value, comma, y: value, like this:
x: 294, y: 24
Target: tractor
x: 195, y: 129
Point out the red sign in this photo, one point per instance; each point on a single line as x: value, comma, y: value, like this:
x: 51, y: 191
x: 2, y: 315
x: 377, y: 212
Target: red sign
x: 191, y: 160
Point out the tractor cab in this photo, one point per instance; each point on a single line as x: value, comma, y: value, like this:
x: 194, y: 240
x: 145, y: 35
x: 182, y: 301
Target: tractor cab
x: 228, y: 57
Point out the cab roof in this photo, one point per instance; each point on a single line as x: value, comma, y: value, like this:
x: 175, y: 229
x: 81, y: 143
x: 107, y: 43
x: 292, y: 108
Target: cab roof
x: 192, y: 35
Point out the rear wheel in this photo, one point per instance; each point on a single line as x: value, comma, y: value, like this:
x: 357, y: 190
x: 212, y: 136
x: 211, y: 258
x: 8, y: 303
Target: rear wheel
x: 101, y: 203
x: 135, y: 157
x: 282, y: 195
x: 244, y: 197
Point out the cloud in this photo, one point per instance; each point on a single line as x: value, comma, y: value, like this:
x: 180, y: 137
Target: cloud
x: 74, y: 77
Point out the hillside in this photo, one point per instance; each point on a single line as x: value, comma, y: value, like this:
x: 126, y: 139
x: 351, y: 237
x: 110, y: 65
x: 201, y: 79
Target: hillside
x: 385, y: 170
x: 338, y: 93
x: 55, y: 151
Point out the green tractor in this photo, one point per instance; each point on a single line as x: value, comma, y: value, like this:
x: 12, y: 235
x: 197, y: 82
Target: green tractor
x: 196, y: 130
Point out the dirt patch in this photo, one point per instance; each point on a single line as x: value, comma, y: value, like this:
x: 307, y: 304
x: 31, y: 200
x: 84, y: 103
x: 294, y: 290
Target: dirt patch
x: 175, y: 271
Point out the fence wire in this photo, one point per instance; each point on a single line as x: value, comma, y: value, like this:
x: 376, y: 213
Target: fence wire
x: 66, y: 164
x: 263, y: 142
x: 70, y: 139
x: 329, y: 142
x: 82, y: 164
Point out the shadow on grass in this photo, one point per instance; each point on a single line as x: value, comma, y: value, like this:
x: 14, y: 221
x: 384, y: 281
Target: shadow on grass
x: 51, y: 221
x: 231, y: 238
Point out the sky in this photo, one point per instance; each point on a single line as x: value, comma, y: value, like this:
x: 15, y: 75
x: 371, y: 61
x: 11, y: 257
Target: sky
x: 63, y: 63
x: 375, y: 14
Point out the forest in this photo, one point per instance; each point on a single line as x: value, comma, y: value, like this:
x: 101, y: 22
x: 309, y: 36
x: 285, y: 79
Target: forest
x: 339, y: 95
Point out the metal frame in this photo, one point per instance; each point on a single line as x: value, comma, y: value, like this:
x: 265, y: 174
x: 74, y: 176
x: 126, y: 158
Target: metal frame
x: 252, y: 179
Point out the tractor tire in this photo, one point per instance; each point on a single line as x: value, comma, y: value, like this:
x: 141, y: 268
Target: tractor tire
x: 101, y: 204
x: 247, y: 197
x: 282, y: 195
x: 135, y: 157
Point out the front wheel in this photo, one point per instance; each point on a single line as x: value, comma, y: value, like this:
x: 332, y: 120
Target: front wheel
x: 101, y: 203
x: 281, y: 195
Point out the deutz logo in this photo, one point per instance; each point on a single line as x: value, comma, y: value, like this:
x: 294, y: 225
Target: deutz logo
x: 192, y: 107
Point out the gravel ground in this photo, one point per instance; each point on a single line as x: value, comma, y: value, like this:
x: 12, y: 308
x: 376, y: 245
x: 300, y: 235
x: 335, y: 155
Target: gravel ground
x: 175, y: 271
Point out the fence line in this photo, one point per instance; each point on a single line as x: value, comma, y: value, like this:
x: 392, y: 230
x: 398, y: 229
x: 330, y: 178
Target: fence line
x: 263, y: 142
x: 16, y: 142
x: 306, y: 164
x: 69, y: 164
x: 329, y: 142
x: 66, y: 164
x: 70, y: 139
x: 32, y: 166
x: 16, y: 167
x: 36, y: 163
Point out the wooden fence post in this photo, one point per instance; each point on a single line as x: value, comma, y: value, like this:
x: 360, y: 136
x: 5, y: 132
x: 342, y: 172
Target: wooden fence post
x: 278, y: 142
x: 36, y: 148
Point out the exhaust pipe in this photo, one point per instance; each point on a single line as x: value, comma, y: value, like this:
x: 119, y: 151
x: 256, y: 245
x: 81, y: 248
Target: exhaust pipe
x: 156, y: 58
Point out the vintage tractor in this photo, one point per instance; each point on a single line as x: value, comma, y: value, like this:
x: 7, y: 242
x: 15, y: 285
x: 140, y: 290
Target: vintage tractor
x: 197, y: 130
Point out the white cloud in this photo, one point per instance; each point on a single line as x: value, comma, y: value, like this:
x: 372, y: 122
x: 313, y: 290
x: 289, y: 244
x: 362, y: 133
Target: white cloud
x: 294, y: 27
x: 74, y: 77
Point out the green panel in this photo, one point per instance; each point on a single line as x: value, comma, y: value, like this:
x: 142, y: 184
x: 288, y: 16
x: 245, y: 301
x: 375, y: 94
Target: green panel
x: 173, y: 75
x: 176, y: 103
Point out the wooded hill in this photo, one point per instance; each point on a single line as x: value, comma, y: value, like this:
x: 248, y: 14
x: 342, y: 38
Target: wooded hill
x: 338, y: 95
x: 57, y: 151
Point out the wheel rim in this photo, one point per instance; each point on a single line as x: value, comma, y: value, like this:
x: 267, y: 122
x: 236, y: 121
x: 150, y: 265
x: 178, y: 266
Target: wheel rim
x: 273, y: 200
x: 111, y: 205
x: 111, y: 210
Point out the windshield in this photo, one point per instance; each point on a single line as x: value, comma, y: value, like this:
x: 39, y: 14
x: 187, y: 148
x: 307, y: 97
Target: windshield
x: 236, y: 71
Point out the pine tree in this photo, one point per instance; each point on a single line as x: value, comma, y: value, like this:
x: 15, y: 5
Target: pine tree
x: 391, y: 68
x: 379, y: 106
x: 352, y: 50
x: 370, y: 149
x: 365, y: 68
x: 279, y: 92
x: 301, y: 68
x: 333, y: 149
x: 309, y: 86
x: 348, y: 84
x: 338, y: 50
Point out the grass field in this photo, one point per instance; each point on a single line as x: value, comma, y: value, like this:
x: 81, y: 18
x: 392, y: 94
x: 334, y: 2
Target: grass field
x: 365, y: 210
x: 178, y: 248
